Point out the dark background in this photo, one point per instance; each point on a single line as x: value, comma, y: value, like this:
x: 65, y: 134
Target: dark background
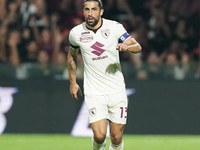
x: 157, y: 107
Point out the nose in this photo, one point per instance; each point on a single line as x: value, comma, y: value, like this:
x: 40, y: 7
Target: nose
x: 90, y: 12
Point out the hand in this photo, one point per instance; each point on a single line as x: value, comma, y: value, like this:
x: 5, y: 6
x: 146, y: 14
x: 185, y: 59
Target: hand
x: 122, y: 47
x: 74, y: 88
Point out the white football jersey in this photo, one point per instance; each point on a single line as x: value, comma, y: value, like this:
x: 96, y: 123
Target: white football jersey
x: 102, y: 70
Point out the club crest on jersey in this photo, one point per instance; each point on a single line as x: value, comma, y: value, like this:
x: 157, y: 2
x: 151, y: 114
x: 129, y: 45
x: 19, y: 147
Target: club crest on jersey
x: 92, y: 111
x: 105, y: 33
x: 86, y: 38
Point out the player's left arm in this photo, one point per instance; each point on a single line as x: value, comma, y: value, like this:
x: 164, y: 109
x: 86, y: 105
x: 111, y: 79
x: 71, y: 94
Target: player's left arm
x: 130, y: 45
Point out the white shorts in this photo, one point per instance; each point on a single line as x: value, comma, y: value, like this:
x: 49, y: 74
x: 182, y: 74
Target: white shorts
x: 112, y: 107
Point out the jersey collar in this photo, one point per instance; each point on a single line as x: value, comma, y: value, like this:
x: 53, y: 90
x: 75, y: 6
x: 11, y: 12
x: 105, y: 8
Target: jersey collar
x: 95, y: 30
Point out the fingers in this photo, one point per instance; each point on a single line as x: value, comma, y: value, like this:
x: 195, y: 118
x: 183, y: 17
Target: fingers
x: 74, y: 95
x: 74, y: 90
x: 121, y: 47
x: 79, y: 92
x: 117, y: 47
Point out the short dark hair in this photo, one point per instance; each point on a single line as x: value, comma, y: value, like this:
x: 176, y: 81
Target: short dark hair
x: 99, y: 1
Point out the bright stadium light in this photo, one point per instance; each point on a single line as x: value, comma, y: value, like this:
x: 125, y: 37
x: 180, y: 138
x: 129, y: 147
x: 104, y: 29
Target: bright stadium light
x: 6, y: 102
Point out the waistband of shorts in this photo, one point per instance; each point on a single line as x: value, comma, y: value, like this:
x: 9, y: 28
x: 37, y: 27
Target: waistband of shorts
x: 105, y: 93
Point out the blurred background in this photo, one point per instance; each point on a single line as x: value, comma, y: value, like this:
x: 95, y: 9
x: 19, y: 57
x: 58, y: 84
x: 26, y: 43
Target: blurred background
x: 164, y: 76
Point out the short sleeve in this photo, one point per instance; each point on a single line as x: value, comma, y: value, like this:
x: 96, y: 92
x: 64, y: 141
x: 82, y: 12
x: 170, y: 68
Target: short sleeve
x: 121, y: 32
x: 72, y: 40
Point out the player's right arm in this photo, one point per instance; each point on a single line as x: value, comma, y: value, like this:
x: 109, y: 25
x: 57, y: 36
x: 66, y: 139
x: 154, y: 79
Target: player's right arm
x: 72, y: 66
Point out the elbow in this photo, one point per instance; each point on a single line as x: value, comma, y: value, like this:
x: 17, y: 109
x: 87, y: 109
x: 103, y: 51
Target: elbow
x: 138, y: 49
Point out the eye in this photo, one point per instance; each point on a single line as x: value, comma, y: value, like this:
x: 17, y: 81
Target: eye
x: 86, y: 9
x: 94, y: 9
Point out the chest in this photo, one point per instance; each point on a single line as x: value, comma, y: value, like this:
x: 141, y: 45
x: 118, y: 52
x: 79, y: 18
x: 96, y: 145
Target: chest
x: 99, y: 43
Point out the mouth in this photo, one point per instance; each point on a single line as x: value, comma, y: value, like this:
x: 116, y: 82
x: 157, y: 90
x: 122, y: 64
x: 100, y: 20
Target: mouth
x: 90, y: 19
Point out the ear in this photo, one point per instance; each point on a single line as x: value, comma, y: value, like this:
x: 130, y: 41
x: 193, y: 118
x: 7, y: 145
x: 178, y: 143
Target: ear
x: 101, y: 12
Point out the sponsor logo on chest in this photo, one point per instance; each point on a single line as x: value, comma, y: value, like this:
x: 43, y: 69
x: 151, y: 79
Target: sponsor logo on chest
x: 97, y: 50
x: 86, y: 38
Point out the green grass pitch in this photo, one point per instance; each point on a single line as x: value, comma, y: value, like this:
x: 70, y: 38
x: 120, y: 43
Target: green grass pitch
x: 67, y: 142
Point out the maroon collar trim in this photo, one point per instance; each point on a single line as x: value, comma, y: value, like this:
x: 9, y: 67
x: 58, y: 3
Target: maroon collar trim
x: 95, y: 30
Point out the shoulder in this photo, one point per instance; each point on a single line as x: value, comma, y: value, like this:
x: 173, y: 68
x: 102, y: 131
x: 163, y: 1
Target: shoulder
x: 77, y: 29
x: 111, y: 23
x: 108, y: 21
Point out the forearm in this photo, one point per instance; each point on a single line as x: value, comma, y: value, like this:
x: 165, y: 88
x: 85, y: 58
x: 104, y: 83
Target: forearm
x: 130, y: 45
x: 133, y: 46
x: 72, y: 66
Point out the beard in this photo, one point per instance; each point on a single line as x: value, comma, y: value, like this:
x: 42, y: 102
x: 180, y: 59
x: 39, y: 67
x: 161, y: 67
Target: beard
x: 94, y: 23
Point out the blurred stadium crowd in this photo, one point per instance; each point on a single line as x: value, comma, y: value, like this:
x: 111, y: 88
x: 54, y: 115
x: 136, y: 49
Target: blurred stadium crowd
x: 36, y: 31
